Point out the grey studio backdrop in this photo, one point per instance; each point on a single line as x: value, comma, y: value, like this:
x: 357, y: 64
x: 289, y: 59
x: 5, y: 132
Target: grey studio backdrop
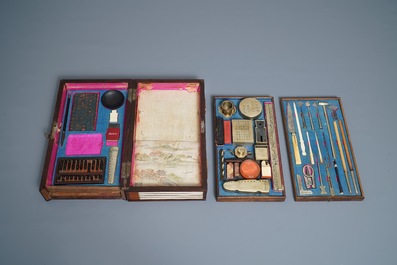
x: 277, y: 48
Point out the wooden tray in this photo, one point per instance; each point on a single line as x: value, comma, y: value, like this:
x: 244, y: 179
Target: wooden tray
x: 248, y: 160
x: 321, y: 157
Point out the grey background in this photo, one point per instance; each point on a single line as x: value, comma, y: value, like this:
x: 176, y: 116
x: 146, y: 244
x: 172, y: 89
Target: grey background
x: 278, y: 48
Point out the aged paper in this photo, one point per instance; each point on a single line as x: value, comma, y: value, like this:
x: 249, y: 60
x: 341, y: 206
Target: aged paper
x: 167, y: 146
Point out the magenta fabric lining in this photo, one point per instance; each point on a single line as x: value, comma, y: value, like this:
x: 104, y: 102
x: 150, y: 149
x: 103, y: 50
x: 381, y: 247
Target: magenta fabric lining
x: 190, y: 87
x: 84, y: 144
x: 96, y: 86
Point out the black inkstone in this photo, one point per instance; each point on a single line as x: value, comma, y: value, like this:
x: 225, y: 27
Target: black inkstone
x: 112, y: 99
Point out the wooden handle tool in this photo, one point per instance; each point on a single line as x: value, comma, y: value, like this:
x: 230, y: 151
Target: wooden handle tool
x: 342, y: 155
x: 349, y: 161
x: 298, y: 160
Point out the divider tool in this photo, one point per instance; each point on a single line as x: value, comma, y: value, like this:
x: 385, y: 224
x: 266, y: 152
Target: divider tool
x: 309, y: 114
x: 324, y: 104
x: 318, y: 148
x: 310, y: 149
x: 318, y: 116
x: 327, y: 151
x: 331, y: 188
x: 322, y: 187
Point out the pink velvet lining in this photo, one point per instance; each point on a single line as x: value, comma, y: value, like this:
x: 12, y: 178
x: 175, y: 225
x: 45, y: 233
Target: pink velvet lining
x: 190, y: 87
x: 84, y: 144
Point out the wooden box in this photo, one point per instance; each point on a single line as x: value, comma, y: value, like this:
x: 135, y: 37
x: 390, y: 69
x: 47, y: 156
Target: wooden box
x: 321, y: 157
x: 127, y: 139
x: 248, y: 161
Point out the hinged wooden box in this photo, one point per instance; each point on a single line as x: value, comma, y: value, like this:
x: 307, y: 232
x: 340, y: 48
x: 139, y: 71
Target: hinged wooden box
x: 247, y: 152
x: 321, y: 156
x: 127, y: 139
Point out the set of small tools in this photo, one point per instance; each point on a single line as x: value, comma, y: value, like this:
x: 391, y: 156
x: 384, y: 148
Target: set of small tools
x: 247, y: 146
x: 321, y: 154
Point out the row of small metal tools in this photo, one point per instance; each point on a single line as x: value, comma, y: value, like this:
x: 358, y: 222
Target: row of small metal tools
x: 317, y: 159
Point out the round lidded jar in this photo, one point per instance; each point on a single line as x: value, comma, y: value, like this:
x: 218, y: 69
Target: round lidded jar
x: 227, y: 108
x: 250, y: 108
x: 249, y: 169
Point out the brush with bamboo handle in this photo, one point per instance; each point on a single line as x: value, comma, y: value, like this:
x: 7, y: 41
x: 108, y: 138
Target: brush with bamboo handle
x: 349, y: 161
x: 342, y: 156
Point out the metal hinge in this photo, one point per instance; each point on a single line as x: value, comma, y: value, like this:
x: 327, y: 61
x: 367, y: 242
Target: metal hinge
x: 202, y: 127
x: 125, y: 176
x: 131, y: 94
x: 125, y: 170
x: 54, y: 130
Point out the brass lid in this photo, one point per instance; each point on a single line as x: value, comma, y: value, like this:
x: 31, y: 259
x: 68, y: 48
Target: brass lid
x: 250, y: 108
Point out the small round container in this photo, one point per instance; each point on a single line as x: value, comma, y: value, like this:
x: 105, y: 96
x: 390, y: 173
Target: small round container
x: 249, y: 169
x: 250, y: 108
x: 240, y: 152
x: 227, y: 108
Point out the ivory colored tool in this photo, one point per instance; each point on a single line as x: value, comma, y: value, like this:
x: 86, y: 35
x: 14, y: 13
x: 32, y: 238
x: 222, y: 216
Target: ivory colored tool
x: 299, y: 132
x: 248, y: 185
x: 291, y: 128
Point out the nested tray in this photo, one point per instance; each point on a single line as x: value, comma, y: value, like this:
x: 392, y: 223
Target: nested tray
x: 248, y: 161
x: 321, y: 156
